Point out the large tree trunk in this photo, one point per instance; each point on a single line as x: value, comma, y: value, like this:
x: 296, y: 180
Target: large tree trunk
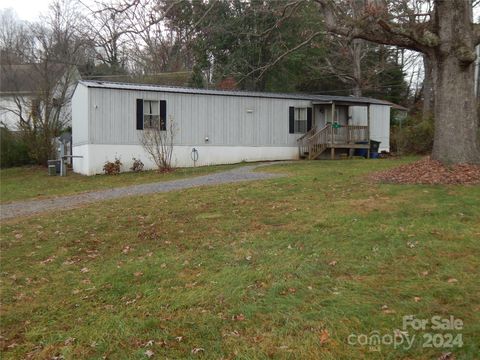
x: 456, y: 115
x: 427, y: 88
x: 456, y: 119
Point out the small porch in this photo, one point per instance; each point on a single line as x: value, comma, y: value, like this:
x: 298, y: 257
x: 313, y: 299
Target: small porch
x: 333, y: 128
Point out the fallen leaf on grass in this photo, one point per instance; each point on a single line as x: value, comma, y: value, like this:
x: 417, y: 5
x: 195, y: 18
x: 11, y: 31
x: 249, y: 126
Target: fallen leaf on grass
x: 48, y: 260
x: 257, y: 339
x: 138, y: 273
x: 239, y: 317
x: 69, y: 341
x: 133, y: 301
x: 411, y: 244
x: 452, y: 280
x: 386, y: 310
x: 197, y: 350
x: 289, y: 291
x: 447, y: 356
x: 149, y: 353
x: 84, y: 270
x: 324, y: 336
x: 161, y: 343
x: 425, y: 273
x: 234, y: 333
x: 332, y: 263
x: 149, y: 343
x: 417, y: 298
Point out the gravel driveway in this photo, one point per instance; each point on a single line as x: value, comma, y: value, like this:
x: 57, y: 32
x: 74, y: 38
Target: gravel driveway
x: 23, y: 208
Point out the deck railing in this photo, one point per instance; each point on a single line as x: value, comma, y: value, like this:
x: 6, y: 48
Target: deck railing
x: 314, y: 142
x: 349, y: 134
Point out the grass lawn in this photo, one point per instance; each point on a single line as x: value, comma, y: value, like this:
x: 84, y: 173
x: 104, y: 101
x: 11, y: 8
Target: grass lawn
x: 284, y: 268
x: 24, y: 183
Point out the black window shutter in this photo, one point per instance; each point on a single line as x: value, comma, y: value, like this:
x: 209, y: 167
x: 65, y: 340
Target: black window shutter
x: 309, y: 118
x: 163, y: 115
x: 139, y: 114
x: 291, y: 119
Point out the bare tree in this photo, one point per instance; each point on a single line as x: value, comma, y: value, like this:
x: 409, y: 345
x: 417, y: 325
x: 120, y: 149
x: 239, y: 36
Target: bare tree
x: 352, y: 62
x: 157, y: 141
x: 43, y: 111
x: 107, y: 31
x: 14, y: 39
x: 442, y: 30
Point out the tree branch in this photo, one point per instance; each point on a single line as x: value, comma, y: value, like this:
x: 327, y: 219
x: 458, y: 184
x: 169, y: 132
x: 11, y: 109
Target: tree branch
x: 373, y: 27
x: 264, y: 68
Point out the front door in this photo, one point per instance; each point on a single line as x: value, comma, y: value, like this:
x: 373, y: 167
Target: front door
x: 319, y: 116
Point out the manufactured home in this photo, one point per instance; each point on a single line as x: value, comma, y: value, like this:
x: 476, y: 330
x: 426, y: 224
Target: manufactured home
x: 219, y: 126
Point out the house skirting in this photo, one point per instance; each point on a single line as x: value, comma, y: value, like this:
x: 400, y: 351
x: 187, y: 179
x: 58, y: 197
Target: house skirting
x: 94, y: 156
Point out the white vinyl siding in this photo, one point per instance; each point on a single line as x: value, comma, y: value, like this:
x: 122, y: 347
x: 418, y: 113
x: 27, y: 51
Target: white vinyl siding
x: 225, y: 120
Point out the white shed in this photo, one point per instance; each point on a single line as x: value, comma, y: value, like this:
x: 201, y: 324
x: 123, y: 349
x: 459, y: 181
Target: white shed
x: 108, y: 119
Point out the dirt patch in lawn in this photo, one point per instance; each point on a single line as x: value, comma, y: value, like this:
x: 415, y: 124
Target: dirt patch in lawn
x: 371, y: 203
x: 428, y: 171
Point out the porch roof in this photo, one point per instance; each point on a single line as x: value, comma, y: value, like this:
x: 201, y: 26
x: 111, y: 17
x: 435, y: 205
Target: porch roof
x: 343, y: 102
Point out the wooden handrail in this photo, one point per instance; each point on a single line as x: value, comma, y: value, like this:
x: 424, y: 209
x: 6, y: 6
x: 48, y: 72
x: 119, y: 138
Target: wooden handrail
x: 307, y: 134
x: 302, y: 142
x: 317, y: 143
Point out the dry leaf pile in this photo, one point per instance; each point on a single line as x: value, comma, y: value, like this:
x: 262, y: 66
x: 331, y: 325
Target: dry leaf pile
x: 428, y: 171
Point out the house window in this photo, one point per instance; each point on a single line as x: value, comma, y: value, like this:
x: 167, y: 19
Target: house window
x: 300, y: 121
x: 151, y: 114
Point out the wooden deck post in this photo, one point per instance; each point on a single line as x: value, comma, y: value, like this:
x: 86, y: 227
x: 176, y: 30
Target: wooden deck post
x: 333, y: 120
x: 368, y: 130
x: 332, y: 150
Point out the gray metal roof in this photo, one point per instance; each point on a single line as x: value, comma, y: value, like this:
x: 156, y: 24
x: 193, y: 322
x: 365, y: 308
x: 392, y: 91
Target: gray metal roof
x: 185, y: 90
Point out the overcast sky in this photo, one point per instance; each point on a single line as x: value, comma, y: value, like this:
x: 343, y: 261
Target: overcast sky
x: 26, y: 9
